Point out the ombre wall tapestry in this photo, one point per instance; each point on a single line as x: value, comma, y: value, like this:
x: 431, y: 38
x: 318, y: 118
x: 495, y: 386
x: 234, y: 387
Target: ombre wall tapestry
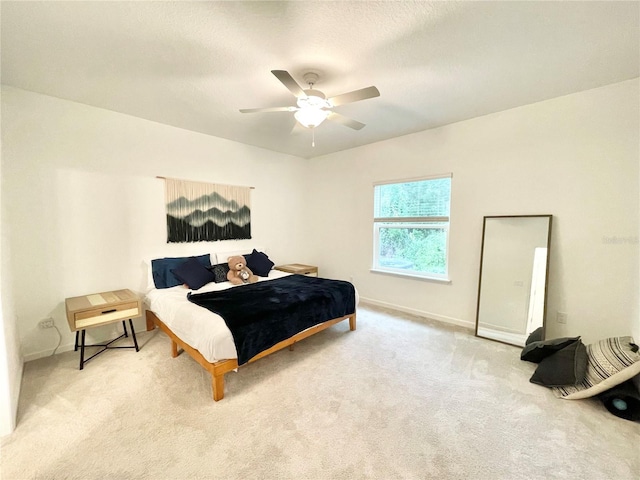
x: 204, y: 212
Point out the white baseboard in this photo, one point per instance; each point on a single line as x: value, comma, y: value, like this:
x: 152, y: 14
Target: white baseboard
x: 420, y: 313
x: 413, y: 311
x: 48, y: 352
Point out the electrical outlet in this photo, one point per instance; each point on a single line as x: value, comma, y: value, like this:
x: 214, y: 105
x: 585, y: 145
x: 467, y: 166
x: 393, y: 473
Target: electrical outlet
x: 561, y: 317
x: 46, y: 323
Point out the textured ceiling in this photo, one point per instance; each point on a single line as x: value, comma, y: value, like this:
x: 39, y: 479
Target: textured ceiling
x: 194, y: 64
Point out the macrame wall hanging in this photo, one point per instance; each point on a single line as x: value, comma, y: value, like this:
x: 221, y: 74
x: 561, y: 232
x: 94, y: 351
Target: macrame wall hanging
x: 206, y: 212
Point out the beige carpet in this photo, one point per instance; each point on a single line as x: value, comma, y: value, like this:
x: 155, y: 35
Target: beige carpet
x: 398, y: 398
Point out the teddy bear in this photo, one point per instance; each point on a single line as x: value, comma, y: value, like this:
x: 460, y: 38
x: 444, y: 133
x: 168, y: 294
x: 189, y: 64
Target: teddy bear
x: 239, y: 273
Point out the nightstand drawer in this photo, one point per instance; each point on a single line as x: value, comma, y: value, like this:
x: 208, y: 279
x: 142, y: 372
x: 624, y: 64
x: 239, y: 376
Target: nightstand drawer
x: 106, y: 314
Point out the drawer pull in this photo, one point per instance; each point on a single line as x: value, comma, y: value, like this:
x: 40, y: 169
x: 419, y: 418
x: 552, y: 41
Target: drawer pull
x: 109, y: 311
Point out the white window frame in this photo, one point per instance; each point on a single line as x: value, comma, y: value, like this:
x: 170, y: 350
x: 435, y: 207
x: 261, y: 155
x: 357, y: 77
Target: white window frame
x: 442, y: 222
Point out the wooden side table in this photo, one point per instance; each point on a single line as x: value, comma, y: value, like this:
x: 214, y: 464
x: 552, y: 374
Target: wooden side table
x: 101, y: 309
x: 299, y: 269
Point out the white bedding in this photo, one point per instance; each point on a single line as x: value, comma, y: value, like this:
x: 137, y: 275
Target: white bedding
x: 198, y: 327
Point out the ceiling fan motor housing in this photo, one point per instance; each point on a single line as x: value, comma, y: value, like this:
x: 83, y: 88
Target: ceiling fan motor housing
x: 310, y: 78
x: 315, y: 99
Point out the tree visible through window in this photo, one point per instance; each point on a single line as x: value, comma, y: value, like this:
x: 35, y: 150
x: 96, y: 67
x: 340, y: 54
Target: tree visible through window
x: 411, y: 226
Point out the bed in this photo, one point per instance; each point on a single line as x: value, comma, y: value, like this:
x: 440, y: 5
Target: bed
x: 207, y: 337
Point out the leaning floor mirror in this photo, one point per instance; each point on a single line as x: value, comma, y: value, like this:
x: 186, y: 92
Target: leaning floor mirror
x: 514, y: 266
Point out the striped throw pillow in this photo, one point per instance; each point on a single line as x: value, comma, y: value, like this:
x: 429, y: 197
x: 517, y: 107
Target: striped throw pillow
x: 611, y: 362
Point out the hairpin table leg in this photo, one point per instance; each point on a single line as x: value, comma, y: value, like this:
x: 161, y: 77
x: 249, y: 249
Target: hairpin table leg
x: 82, y: 351
x: 133, y: 334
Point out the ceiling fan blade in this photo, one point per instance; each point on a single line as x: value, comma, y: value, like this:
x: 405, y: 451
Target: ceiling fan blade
x: 290, y: 83
x: 356, y: 95
x: 346, y: 121
x: 272, y: 109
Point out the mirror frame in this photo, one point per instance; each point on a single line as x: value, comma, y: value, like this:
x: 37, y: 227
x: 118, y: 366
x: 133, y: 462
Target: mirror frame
x: 546, y: 280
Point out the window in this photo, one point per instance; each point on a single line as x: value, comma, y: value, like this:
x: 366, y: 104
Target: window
x: 411, y: 227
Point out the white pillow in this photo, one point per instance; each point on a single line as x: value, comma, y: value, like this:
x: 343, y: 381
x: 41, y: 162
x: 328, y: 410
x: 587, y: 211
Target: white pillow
x: 611, y: 362
x: 223, y: 257
x: 150, y: 283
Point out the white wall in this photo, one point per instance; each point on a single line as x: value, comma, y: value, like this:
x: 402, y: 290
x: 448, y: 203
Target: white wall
x: 86, y: 208
x: 575, y: 157
x: 11, y: 363
x: 636, y: 327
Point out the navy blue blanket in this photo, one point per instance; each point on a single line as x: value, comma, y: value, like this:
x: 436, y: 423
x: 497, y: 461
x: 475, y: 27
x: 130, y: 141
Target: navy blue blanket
x: 262, y: 314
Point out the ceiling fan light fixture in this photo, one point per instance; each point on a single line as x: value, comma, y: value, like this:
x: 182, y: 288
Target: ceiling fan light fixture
x: 311, y: 117
x: 313, y: 107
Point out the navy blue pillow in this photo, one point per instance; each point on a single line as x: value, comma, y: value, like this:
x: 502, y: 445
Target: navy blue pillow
x: 194, y: 274
x: 161, y: 268
x: 259, y: 263
x: 220, y: 272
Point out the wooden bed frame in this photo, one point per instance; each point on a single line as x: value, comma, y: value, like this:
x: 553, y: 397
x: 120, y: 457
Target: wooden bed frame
x: 218, y: 369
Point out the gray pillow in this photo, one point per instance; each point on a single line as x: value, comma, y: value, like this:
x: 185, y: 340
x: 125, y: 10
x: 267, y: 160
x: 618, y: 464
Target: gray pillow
x: 567, y: 366
x: 220, y: 272
x: 536, y: 336
x: 536, y: 351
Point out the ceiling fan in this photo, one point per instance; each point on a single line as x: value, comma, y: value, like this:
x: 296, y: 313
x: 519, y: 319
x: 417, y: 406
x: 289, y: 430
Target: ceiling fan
x: 313, y: 105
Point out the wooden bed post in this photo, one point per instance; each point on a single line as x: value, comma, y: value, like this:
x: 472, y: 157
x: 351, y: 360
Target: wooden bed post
x: 150, y: 323
x: 352, y: 322
x: 217, y: 385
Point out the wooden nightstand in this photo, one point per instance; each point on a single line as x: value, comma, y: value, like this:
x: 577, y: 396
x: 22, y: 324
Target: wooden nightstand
x: 101, y: 309
x: 299, y: 269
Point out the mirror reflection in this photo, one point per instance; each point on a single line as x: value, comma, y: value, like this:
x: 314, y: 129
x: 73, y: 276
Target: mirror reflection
x: 513, y: 277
